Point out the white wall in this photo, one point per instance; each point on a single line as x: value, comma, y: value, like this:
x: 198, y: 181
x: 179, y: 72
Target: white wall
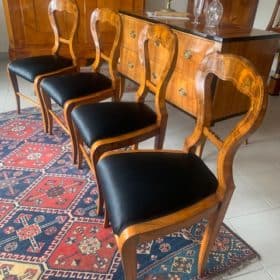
x: 178, y: 5
x: 264, y: 13
x: 262, y: 17
x: 3, y: 31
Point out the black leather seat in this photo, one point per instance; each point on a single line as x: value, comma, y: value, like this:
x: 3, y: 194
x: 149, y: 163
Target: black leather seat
x: 136, y: 186
x: 74, y: 85
x: 30, y: 67
x: 109, y: 119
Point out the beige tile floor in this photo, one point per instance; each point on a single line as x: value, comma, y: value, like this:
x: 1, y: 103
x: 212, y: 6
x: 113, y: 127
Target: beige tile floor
x: 254, y: 212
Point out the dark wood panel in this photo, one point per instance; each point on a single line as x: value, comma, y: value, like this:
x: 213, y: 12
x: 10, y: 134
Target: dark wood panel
x: 30, y: 33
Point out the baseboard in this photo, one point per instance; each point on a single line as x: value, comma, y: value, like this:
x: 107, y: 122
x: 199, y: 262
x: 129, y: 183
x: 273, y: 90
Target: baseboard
x: 3, y: 55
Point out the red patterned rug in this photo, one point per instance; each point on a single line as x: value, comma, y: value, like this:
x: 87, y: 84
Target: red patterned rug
x: 48, y: 223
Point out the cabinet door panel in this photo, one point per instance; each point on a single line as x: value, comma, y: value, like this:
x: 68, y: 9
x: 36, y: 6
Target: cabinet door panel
x: 30, y: 32
x: 35, y: 26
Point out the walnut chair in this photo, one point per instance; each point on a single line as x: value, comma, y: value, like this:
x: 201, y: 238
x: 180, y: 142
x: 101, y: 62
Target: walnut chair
x: 35, y: 68
x: 72, y: 89
x: 149, y: 194
x: 101, y: 127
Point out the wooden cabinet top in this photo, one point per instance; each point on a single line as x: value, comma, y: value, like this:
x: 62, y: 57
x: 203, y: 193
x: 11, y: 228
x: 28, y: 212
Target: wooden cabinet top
x: 224, y: 33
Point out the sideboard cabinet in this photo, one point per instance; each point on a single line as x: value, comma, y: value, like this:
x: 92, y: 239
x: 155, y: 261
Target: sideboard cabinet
x: 194, y: 42
x: 30, y: 33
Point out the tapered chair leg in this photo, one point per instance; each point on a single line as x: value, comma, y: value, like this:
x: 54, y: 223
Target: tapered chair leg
x: 71, y: 129
x: 129, y: 259
x: 78, y: 142
x: 79, y: 157
x: 13, y: 78
x: 210, y: 234
x: 106, y: 218
x: 100, y: 204
x: 159, y: 139
x: 47, y: 106
x: 121, y: 87
x: 37, y: 90
x: 200, y: 147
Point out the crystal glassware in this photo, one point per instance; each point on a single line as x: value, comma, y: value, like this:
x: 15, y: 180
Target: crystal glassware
x: 214, y: 14
x: 197, y: 10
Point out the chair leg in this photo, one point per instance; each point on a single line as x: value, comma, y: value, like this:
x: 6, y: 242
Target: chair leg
x: 210, y: 234
x: 93, y: 163
x: 100, y: 203
x: 13, y: 78
x: 39, y: 94
x: 129, y: 259
x: 48, y: 106
x: 79, y: 143
x: 159, y: 139
x: 120, y: 87
x: 79, y: 157
x: 72, y: 132
x: 106, y: 218
x: 134, y: 147
x: 200, y: 147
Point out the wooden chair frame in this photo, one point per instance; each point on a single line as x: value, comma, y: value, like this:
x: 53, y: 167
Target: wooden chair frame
x: 101, y: 16
x: 70, y: 7
x: 242, y: 74
x: 158, y: 35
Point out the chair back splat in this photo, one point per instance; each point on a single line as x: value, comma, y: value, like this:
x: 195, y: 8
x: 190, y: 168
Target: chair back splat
x: 151, y: 193
x: 71, y: 8
x: 165, y: 44
x: 112, y: 19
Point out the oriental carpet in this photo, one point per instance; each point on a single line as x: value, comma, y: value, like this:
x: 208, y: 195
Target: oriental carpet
x: 48, y: 223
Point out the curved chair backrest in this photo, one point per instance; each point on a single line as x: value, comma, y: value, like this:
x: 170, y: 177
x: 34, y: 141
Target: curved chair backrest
x: 70, y: 7
x: 156, y: 41
x: 247, y: 81
x: 107, y: 17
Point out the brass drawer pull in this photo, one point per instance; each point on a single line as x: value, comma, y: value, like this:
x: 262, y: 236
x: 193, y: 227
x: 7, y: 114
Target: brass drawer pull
x: 182, y: 92
x: 130, y: 65
x: 188, y: 54
x: 132, y: 34
x: 157, y: 43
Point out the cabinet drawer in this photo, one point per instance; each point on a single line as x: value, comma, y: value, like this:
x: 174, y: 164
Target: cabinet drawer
x: 129, y: 64
x: 131, y: 30
x: 130, y: 38
x: 181, y: 92
x: 191, y: 50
